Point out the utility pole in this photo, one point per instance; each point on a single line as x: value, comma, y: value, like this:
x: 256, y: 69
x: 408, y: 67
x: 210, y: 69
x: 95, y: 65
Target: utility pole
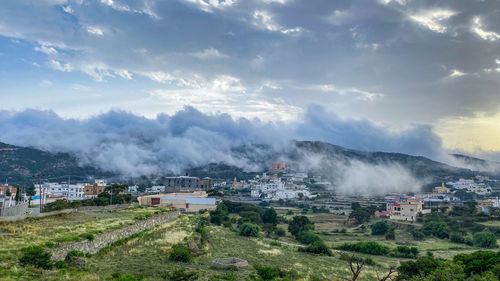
x: 39, y: 175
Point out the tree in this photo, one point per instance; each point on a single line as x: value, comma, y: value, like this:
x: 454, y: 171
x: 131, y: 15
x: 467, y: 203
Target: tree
x: 421, y: 268
x: 220, y: 214
x: 31, y: 190
x: 380, y: 228
x: 18, y: 194
x: 355, y: 265
x: 270, y: 216
x: 249, y: 229
x: 7, y: 192
x: 485, y: 240
x: 478, y: 262
x: 299, y: 224
x: 355, y: 206
x: 361, y: 215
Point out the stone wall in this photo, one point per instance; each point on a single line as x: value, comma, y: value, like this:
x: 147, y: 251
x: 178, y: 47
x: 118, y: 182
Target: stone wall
x: 17, y: 210
x: 105, y: 239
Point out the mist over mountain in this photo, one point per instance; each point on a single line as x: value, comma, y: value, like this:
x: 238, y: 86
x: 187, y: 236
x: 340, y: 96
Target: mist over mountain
x: 127, y: 145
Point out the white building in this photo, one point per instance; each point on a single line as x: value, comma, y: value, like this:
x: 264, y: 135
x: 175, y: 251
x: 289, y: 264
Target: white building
x: 69, y: 192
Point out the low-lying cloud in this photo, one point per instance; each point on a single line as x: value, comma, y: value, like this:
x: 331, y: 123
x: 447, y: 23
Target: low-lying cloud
x: 132, y: 145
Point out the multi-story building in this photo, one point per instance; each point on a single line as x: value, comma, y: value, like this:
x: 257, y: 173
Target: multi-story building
x: 187, y: 183
x: 407, y: 210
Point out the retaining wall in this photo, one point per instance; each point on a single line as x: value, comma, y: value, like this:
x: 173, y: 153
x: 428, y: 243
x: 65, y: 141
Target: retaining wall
x: 17, y: 210
x: 105, y: 239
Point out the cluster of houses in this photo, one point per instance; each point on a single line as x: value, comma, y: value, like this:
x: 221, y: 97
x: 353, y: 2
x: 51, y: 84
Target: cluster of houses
x: 279, y: 183
x: 478, y: 186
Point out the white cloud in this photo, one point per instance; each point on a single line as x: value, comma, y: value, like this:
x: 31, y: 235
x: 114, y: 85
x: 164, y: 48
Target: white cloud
x: 46, y: 83
x: 210, y: 53
x: 338, y: 17
x: 159, y: 76
x: 47, y: 49
x: 64, y: 67
x: 209, y: 5
x: 124, y: 74
x: 116, y: 6
x: 456, y: 73
x: 387, y: 2
x: 432, y: 19
x: 227, y: 83
x: 282, y: 2
x: 95, y: 30
x: 477, y: 27
x: 361, y: 94
x: 68, y: 9
x: 264, y: 20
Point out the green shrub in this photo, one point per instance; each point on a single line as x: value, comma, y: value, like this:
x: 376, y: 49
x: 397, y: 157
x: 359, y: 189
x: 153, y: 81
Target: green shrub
x: 180, y: 253
x: 379, y: 228
x: 478, y: 262
x: 124, y: 277
x: 35, y: 256
x: 60, y: 264
x: 456, y: 237
x: 318, y: 247
x: 249, y: 229
x: 405, y: 252
x: 485, y: 240
x: 307, y: 237
x: 280, y: 231
x: 89, y: 236
x: 366, y: 247
x: 50, y: 244
x: 267, y: 272
x: 418, y: 235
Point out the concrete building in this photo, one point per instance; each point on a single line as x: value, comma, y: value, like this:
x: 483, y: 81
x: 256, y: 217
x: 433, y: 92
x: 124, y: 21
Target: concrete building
x: 185, y: 202
x: 407, y: 210
x: 187, y: 183
x: 93, y: 190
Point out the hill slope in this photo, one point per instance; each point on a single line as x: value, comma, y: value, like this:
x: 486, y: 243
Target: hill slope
x: 19, y: 164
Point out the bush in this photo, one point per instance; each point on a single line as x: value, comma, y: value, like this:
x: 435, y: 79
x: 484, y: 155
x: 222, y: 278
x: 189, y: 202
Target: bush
x: 249, y: 230
x: 318, y: 247
x: 478, y: 262
x: 307, y: 237
x: 418, y: 235
x: 405, y: 252
x: 485, y: 240
x: 180, y: 253
x: 267, y: 272
x: 390, y: 235
x: 60, y: 264
x: 380, y: 228
x: 280, y: 232
x: 182, y: 275
x: 436, y: 228
x: 366, y: 247
x: 456, y: 237
x: 35, y: 256
x: 89, y: 236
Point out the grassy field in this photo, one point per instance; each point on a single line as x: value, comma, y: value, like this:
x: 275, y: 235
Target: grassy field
x: 62, y: 228
x: 147, y: 256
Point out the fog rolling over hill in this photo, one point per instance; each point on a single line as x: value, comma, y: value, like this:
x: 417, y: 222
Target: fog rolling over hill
x: 350, y: 171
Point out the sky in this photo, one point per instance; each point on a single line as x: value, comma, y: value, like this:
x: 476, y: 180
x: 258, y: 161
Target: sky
x: 410, y: 72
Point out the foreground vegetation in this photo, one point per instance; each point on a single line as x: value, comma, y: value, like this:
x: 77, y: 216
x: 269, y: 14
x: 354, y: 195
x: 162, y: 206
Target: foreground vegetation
x: 279, y: 244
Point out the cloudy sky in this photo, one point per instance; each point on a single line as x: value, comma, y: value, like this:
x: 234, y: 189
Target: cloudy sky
x: 393, y: 64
